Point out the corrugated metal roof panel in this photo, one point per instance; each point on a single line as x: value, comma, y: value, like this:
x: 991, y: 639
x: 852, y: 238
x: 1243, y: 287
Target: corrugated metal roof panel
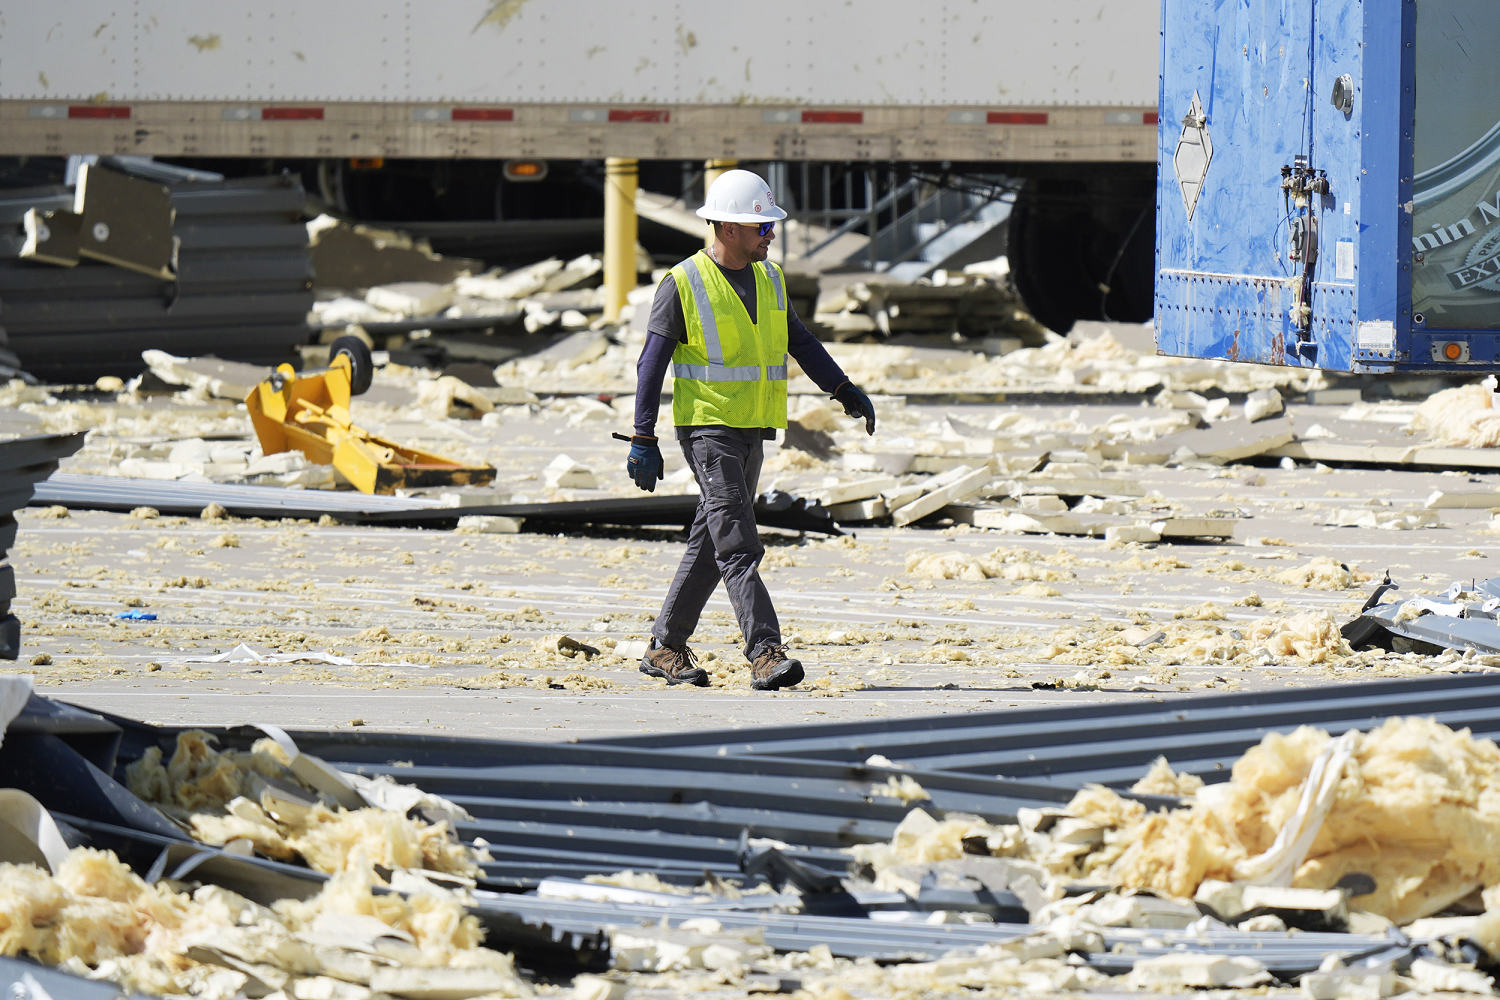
x: 28, y: 322
x: 550, y: 809
x: 243, y: 288
x: 1112, y: 743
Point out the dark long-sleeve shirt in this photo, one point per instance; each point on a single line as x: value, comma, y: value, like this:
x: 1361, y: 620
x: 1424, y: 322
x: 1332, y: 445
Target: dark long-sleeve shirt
x: 667, y: 328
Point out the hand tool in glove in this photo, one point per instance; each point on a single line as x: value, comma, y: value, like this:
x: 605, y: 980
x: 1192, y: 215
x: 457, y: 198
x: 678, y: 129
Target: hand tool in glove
x: 644, y: 464
x: 856, y: 404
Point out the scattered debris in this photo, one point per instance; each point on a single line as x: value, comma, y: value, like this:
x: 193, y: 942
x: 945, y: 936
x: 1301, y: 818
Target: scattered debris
x: 172, y: 244
x: 565, y: 473
x: 278, y: 802
x: 24, y: 461
x: 125, y: 221
x: 210, y: 376
x: 1263, y: 403
x: 950, y: 303
x: 1459, y: 418
x: 1310, y: 810
x: 1464, y: 618
x: 352, y: 257
x: 310, y: 413
x: 1047, y: 899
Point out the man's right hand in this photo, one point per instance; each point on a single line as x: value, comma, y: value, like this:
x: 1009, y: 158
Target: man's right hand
x: 856, y: 404
x: 644, y: 464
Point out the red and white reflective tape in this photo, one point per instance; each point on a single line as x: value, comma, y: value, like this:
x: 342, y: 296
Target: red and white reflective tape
x: 272, y: 113
x: 463, y: 114
x: 1130, y: 118
x: 640, y: 116
x: 813, y: 116
x: 586, y: 115
x: 976, y: 117
x: 76, y: 111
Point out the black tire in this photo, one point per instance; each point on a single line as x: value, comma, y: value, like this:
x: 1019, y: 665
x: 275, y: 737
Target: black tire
x: 1128, y: 253
x: 361, y: 364
x: 1070, y: 238
x: 1043, y: 247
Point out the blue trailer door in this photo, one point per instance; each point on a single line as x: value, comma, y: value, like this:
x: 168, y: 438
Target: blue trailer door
x: 1259, y: 198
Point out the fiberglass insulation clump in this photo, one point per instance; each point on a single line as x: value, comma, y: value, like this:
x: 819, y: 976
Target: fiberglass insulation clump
x: 232, y: 795
x: 1413, y: 804
x: 95, y: 917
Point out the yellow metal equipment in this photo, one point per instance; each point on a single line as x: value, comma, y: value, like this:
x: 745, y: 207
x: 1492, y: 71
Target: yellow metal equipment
x: 309, y: 412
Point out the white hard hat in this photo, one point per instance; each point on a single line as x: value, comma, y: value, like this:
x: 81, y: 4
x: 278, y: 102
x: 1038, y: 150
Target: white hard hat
x: 740, y: 196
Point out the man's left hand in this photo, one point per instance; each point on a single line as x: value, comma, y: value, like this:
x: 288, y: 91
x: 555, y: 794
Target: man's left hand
x: 856, y: 404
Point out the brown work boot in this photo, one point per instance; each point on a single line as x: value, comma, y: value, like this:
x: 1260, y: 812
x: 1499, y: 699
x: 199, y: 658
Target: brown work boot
x: 677, y: 664
x: 773, y: 669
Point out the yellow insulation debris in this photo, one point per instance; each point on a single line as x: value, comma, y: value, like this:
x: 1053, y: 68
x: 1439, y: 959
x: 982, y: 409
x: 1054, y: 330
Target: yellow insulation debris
x: 1162, y: 780
x: 98, y: 918
x: 1459, y: 418
x: 1313, y: 637
x: 224, y: 797
x: 1415, y: 808
x: 920, y: 837
x: 1003, y: 564
x: 1322, y: 573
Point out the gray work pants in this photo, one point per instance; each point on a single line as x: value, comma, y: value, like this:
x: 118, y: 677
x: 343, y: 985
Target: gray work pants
x: 723, y: 543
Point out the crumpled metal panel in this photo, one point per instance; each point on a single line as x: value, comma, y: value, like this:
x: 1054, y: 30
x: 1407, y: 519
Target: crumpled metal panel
x: 24, y: 461
x: 641, y: 804
x: 1464, y: 618
x: 242, y: 292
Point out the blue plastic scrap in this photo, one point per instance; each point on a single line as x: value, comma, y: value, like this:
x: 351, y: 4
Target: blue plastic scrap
x: 137, y: 616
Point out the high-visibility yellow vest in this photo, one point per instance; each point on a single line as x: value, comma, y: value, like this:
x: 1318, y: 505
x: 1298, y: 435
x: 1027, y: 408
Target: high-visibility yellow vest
x: 731, y: 372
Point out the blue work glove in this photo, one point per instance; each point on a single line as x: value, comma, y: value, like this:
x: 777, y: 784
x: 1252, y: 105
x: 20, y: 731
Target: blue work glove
x: 856, y: 404
x: 644, y: 464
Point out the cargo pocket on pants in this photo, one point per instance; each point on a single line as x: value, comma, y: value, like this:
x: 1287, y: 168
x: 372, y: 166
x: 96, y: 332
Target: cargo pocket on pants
x: 731, y: 517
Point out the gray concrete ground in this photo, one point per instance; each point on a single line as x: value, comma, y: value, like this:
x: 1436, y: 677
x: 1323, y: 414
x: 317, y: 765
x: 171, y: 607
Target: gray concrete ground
x: 455, y: 632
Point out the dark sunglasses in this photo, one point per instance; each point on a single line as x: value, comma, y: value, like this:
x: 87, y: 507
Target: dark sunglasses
x: 764, y: 229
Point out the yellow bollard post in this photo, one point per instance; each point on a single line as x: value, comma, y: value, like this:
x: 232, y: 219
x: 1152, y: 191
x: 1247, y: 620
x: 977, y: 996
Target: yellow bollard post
x: 711, y: 171
x: 621, y: 228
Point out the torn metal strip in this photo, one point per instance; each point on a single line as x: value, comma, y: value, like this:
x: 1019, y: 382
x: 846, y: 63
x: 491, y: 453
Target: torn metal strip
x: 1467, y: 618
x: 181, y: 499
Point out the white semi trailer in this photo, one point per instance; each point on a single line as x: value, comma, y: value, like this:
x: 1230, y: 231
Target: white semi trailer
x: 361, y: 93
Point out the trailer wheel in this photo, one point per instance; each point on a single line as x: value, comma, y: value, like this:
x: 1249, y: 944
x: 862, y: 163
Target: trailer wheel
x: 1042, y: 243
x: 1083, y: 247
x: 361, y: 363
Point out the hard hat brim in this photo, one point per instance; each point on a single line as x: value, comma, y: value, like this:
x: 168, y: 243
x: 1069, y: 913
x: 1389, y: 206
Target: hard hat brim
x: 773, y: 214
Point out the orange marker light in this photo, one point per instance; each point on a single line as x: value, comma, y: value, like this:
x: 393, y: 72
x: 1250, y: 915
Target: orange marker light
x: 1452, y: 351
x: 525, y: 170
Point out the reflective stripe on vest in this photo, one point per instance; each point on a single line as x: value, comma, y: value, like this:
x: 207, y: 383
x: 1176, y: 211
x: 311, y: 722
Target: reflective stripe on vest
x: 706, y: 318
x: 716, y: 370
x: 721, y: 373
x: 776, y: 284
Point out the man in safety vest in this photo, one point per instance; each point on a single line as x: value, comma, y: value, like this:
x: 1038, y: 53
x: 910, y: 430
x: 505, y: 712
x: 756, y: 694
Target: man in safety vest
x: 721, y: 319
